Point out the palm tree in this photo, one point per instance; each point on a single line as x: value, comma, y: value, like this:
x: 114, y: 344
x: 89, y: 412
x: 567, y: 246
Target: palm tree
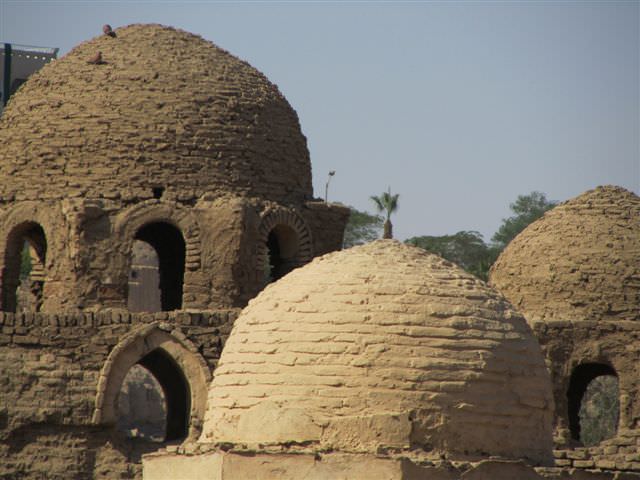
x: 387, y: 203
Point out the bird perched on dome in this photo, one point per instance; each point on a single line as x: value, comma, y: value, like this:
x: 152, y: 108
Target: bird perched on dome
x: 107, y: 30
x: 96, y: 59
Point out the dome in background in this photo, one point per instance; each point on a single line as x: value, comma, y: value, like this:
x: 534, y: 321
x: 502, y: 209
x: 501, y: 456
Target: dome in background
x: 581, y: 261
x: 164, y: 109
x: 383, y: 346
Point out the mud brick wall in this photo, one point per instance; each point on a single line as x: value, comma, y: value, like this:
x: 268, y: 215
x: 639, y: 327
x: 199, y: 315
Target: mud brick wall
x: 327, y: 222
x: 89, y: 245
x: 617, y: 454
x: 567, y: 345
x: 50, y: 367
x: 283, y: 465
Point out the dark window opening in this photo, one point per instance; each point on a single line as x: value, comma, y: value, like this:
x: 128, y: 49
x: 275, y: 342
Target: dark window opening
x: 157, y: 264
x: 157, y: 192
x: 593, y: 401
x: 282, y: 247
x: 23, y: 274
x: 154, y: 401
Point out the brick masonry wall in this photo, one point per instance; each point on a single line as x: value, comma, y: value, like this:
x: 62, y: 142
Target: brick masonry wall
x: 568, y: 344
x: 49, y: 371
x: 617, y: 454
x: 89, y: 246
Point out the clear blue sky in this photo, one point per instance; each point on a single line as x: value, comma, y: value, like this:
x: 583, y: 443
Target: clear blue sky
x: 458, y: 106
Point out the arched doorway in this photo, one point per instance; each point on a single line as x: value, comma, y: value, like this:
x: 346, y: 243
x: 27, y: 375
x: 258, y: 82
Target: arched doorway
x: 180, y: 377
x: 593, y: 403
x: 157, y: 268
x: 23, y: 273
x: 154, y: 401
x: 282, y: 248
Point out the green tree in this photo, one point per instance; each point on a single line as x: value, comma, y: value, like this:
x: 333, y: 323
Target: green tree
x: 25, y: 261
x: 388, y: 204
x: 526, y: 209
x: 599, y: 410
x: 465, y: 248
x: 468, y: 249
x: 362, y: 227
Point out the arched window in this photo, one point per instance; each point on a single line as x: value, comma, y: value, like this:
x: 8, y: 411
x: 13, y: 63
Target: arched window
x: 157, y: 268
x: 154, y: 401
x: 177, y: 391
x: 593, y: 401
x: 282, y: 247
x: 23, y: 274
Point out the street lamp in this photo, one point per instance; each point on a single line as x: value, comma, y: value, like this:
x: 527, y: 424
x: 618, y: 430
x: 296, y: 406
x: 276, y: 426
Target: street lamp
x: 326, y: 188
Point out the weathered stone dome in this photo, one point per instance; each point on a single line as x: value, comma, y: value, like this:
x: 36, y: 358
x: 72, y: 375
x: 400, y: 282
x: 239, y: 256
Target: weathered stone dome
x: 164, y: 109
x: 581, y: 261
x: 383, y: 346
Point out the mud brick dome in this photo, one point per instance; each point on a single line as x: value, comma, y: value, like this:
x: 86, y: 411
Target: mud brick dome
x: 165, y: 139
x: 166, y: 109
x: 383, y: 346
x: 580, y: 262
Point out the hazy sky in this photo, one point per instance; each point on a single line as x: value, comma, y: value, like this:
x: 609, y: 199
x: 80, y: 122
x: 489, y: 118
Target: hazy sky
x: 458, y: 106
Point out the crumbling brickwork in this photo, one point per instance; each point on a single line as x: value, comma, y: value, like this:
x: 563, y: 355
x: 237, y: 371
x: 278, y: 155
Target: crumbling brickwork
x: 575, y: 275
x: 51, y: 367
x: 172, y: 141
x: 167, y: 140
x: 168, y: 131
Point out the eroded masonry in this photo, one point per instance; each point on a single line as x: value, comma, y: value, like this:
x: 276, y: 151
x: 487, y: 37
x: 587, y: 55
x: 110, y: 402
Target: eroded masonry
x: 148, y: 193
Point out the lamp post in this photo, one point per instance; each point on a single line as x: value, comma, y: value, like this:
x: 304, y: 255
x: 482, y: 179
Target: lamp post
x: 326, y: 187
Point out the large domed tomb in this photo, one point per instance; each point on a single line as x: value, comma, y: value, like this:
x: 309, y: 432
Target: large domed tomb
x: 165, y: 139
x: 574, y: 274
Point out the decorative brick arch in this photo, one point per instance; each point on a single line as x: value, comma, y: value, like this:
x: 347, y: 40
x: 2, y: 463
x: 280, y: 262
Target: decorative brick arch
x: 20, y: 219
x: 155, y: 337
x: 274, y: 218
x: 154, y: 213
x: 131, y: 220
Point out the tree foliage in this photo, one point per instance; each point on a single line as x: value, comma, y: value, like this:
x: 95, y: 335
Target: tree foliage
x: 526, y: 209
x: 388, y: 204
x: 468, y: 249
x: 25, y: 261
x: 362, y: 227
x: 599, y: 410
x: 465, y: 248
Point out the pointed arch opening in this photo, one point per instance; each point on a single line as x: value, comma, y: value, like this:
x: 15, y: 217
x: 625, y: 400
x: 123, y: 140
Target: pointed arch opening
x: 593, y: 403
x: 177, y: 379
x: 154, y: 401
x: 23, y: 273
x: 157, y: 268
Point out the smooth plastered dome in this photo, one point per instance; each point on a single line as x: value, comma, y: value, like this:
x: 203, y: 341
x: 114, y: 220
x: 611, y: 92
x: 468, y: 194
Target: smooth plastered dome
x: 581, y: 261
x: 162, y: 109
x: 383, y: 346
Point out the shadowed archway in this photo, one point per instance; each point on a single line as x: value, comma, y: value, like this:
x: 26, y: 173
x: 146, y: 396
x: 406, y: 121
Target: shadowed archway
x: 168, y: 244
